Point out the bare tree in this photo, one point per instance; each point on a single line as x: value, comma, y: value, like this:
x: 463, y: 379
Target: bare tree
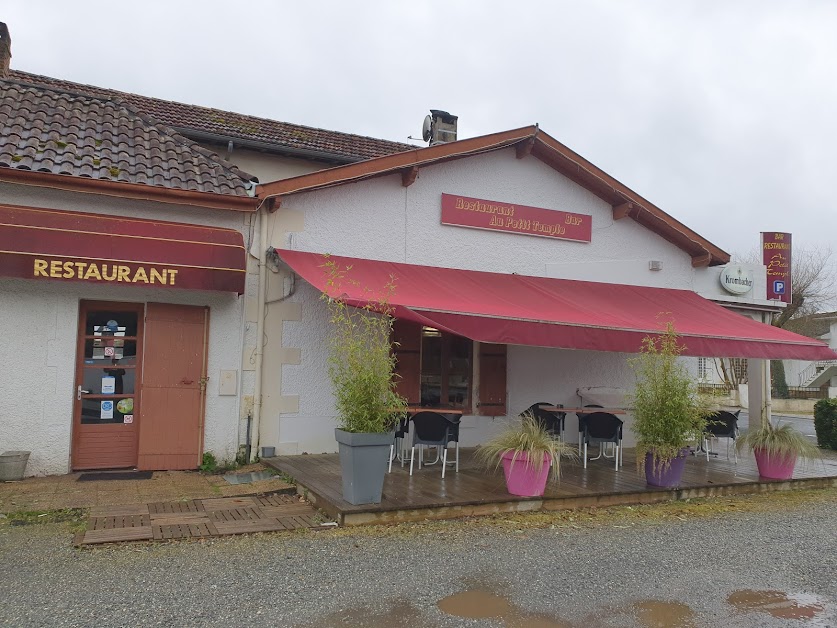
x: 813, y: 278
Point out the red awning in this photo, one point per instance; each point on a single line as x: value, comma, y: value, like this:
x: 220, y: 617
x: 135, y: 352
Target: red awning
x: 562, y: 313
x: 72, y: 246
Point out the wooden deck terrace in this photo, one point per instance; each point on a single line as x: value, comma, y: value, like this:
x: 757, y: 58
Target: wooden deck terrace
x: 474, y: 491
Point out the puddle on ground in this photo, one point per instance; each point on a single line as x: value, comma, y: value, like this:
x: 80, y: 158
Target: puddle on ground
x: 777, y: 603
x: 400, y: 613
x: 483, y: 604
x: 658, y: 614
x: 475, y: 604
x: 248, y: 478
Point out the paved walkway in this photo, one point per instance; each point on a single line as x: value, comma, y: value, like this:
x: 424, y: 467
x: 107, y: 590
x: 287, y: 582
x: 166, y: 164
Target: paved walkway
x: 199, y: 518
x: 65, y: 491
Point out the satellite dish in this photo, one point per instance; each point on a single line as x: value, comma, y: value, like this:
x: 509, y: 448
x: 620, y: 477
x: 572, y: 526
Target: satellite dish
x: 427, y: 129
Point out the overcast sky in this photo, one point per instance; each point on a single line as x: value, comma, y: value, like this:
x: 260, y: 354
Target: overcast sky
x: 723, y: 113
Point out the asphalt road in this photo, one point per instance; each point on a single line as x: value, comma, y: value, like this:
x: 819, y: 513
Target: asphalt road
x: 648, y: 566
x: 804, y: 424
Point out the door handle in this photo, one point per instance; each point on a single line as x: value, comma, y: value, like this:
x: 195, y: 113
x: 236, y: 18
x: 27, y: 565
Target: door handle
x: 187, y: 381
x: 81, y: 392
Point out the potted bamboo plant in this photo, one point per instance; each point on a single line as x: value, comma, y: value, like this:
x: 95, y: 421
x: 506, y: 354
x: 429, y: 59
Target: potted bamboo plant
x: 361, y: 367
x: 527, y: 453
x: 776, y: 448
x: 668, y: 412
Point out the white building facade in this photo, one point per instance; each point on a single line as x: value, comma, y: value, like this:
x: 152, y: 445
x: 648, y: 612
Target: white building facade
x: 391, y: 211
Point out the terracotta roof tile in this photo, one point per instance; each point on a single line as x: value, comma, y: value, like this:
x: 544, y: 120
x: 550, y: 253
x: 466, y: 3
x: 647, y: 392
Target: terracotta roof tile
x: 281, y: 136
x: 101, y: 137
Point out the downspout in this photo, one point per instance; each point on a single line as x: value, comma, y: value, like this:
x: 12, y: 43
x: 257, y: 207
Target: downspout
x: 260, y: 317
x: 766, y: 416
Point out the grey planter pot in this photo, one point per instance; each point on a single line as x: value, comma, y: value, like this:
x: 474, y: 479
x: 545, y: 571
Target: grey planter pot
x: 363, y: 460
x: 13, y: 465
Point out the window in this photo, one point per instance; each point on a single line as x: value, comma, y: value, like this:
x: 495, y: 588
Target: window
x: 739, y: 368
x: 703, y: 370
x: 436, y: 369
x: 446, y: 368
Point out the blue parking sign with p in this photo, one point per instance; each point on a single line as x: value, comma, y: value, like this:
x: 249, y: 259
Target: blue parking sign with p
x: 779, y: 287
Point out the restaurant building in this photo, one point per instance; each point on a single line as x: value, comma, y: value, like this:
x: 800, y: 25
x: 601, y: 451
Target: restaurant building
x: 156, y: 302
x: 128, y: 296
x: 523, y: 273
x: 122, y: 270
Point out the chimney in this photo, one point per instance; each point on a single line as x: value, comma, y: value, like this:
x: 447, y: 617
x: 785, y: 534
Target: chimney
x: 5, y: 50
x: 442, y: 127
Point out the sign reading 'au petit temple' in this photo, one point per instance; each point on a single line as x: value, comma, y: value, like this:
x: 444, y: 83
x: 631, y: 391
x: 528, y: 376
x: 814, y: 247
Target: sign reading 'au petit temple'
x: 776, y: 255
x: 476, y: 213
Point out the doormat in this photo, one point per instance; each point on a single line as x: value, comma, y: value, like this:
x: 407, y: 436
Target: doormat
x: 120, y: 475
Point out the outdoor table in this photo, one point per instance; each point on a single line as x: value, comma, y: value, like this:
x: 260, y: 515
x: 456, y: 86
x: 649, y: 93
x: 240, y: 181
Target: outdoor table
x: 417, y: 409
x: 587, y: 410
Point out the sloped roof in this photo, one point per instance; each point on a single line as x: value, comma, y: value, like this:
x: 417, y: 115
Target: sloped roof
x: 50, y: 130
x: 527, y: 141
x: 279, y: 136
x: 812, y: 325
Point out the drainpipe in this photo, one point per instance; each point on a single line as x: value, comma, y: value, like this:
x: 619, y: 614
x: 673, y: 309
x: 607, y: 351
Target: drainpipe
x: 768, y: 384
x: 257, y: 391
x: 768, y: 394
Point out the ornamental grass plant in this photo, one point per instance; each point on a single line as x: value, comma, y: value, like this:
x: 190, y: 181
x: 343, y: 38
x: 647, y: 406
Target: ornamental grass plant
x: 529, y: 443
x: 668, y: 411
x: 780, y: 441
x: 361, y: 363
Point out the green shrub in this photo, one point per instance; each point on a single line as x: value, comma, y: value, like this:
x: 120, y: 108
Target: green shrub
x: 780, y: 384
x: 361, y: 363
x: 825, y: 423
x: 208, y: 464
x: 668, y: 411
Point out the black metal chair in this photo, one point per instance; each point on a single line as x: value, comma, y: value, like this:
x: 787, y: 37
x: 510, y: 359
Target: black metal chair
x: 431, y: 429
x: 722, y: 424
x: 553, y: 422
x: 453, y: 436
x: 602, y: 428
x: 582, y: 416
x: 396, y: 448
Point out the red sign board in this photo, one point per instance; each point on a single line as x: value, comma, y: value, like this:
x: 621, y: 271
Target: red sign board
x: 776, y: 255
x: 477, y: 213
x: 50, y: 244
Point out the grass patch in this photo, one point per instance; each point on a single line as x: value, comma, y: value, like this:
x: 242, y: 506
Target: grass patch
x: 614, y: 516
x: 287, y: 479
x: 75, y: 517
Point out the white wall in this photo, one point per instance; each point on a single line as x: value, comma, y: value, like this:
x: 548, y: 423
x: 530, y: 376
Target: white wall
x: 265, y: 166
x: 38, y: 327
x: 380, y: 219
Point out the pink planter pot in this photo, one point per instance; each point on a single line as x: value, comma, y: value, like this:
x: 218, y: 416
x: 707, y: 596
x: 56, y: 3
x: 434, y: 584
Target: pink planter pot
x: 774, y: 467
x: 522, y: 479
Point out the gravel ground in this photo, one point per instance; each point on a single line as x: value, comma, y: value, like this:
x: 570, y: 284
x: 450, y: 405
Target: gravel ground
x: 571, y: 573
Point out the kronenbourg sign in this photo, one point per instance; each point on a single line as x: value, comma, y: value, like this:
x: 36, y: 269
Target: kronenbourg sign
x: 736, y: 279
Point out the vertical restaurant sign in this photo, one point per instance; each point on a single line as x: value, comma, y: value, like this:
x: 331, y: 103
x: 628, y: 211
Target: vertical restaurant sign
x: 776, y: 255
x: 476, y: 213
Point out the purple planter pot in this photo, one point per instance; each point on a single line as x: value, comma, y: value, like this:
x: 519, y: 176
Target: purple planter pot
x: 667, y: 476
x: 774, y: 467
x: 522, y: 478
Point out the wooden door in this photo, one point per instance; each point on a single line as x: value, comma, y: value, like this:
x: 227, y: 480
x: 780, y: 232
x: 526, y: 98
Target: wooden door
x: 106, y: 412
x: 173, y: 386
x: 492, y: 380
